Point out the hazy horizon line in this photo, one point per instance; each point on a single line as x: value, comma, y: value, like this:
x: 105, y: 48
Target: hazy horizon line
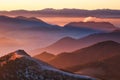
x: 59, y: 9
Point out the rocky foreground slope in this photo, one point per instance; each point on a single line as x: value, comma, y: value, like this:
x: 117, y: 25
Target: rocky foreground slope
x: 19, y: 65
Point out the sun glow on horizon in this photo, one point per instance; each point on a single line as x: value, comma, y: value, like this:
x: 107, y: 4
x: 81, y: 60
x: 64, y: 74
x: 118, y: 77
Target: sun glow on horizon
x: 58, y: 4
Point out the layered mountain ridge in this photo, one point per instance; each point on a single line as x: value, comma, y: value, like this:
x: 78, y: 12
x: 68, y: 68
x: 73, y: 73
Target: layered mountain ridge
x: 34, y: 30
x: 108, y: 69
x: 69, y: 44
x: 96, y: 52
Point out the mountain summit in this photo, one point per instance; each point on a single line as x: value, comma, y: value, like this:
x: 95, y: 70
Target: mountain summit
x: 21, y: 52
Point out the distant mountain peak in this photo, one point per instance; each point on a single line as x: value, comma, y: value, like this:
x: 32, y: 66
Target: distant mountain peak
x: 45, y: 53
x: 29, y: 18
x: 3, y: 17
x: 109, y: 42
x: 67, y: 38
x: 21, y: 17
x: 44, y: 56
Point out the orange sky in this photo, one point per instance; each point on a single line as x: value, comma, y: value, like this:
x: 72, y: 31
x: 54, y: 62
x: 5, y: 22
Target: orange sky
x: 58, y: 4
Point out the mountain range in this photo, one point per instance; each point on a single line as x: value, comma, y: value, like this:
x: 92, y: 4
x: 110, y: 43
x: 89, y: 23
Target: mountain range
x: 37, y: 31
x: 24, y: 23
x: 100, y: 60
x: 102, y: 13
x: 69, y: 44
x: 32, y: 23
x: 107, y: 69
x: 19, y: 65
x: 94, y: 53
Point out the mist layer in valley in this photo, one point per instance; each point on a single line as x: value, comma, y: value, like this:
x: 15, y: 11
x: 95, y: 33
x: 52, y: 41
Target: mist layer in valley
x: 32, y: 33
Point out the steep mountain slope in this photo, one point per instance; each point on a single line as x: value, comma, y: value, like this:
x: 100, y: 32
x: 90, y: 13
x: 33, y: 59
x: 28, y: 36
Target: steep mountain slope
x: 44, y: 56
x: 68, y: 44
x: 19, y: 65
x: 108, y: 69
x: 96, y: 52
